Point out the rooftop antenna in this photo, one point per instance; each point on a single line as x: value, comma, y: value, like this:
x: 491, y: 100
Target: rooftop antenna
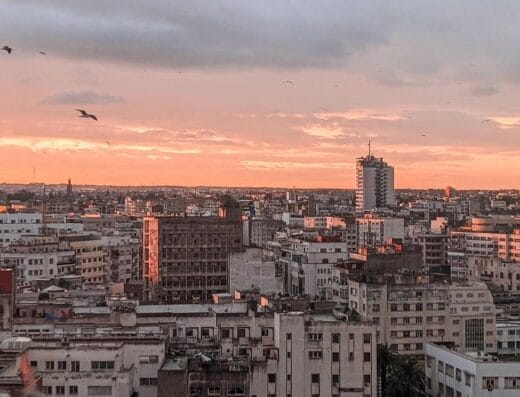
x: 34, y: 174
x: 369, y: 146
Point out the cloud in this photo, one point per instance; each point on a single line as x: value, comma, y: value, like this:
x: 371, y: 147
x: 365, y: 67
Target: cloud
x: 271, y: 165
x: 359, y: 115
x: 329, y: 132
x: 81, y: 97
x: 485, y: 90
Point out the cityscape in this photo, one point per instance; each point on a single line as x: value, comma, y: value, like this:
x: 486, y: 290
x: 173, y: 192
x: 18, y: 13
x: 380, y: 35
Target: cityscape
x: 236, y: 199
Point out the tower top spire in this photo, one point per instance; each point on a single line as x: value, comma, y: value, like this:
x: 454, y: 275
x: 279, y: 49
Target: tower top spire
x: 369, y: 146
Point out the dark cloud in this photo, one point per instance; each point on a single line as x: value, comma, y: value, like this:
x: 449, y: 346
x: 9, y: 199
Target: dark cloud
x: 407, y: 39
x: 486, y: 90
x: 81, y: 97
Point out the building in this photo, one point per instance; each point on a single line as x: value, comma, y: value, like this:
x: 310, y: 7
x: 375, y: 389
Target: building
x: 412, y: 312
x: 307, y: 265
x: 434, y: 248
x: 476, y: 374
x: 15, y: 225
x: 286, y: 354
x: 83, y: 366
x: 372, y: 230
x: 258, y: 231
x: 255, y: 268
x: 90, y: 255
x: 374, y: 184
x: 508, y: 338
x: 36, y: 259
x: 185, y: 258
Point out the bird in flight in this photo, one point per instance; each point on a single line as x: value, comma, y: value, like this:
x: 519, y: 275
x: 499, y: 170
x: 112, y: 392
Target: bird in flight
x: 486, y: 121
x: 423, y: 134
x: 108, y: 143
x: 288, y: 82
x: 43, y: 53
x: 7, y: 48
x: 86, y: 115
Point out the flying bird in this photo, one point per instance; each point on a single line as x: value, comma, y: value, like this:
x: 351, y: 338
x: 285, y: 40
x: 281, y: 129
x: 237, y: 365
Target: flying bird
x: 485, y: 121
x: 423, y: 134
x: 288, y: 82
x: 86, y: 115
x: 7, y: 48
x: 108, y: 143
x: 43, y: 53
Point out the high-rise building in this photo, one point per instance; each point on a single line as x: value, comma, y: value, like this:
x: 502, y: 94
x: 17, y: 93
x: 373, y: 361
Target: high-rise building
x: 374, y: 183
x: 69, y: 187
x: 186, y: 258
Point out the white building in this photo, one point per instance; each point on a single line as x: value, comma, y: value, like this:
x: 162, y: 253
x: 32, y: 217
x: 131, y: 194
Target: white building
x: 374, y: 184
x: 319, y: 355
x: 90, y: 368
x: 308, y: 266
x: 409, y: 315
x: 254, y: 268
x: 376, y: 230
x: 508, y: 338
x: 475, y: 374
x: 14, y: 226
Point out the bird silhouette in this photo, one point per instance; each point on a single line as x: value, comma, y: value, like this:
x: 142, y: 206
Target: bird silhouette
x: 86, y: 115
x: 486, y: 121
x: 43, y: 53
x: 108, y: 143
x: 423, y: 134
x: 7, y: 48
x: 288, y: 82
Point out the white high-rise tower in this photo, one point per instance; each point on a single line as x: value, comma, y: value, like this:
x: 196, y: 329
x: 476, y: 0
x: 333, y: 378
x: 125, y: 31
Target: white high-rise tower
x: 374, y: 183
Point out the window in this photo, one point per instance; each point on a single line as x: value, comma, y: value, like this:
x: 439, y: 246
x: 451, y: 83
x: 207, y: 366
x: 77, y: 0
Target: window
x: 289, y: 336
x: 99, y: 390
x: 367, y: 338
x: 458, y: 374
x: 34, y: 364
x: 335, y: 378
x: 60, y: 390
x: 47, y: 390
x: 375, y: 307
x: 314, y: 355
x: 335, y: 338
x: 241, y: 332
x: 366, y: 379
x: 73, y: 390
x: 314, y: 336
x: 315, y: 378
x: 102, y: 364
x: 271, y: 378
x: 335, y: 356
x: 62, y: 365
x: 213, y: 390
x: 74, y: 366
x: 49, y: 365
x: 148, y: 381
x: 366, y: 357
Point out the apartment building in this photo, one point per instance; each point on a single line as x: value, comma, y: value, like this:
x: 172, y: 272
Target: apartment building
x: 90, y: 367
x: 36, y: 259
x: 375, y: 230
x: 15, y: 225
x: 410, y: 314
x: 308, y: 264
x: 374, y: 184
x: 477, y: 374
x: 434, y: 248
x: 258, y: 231
x: 91, y: 257
x: 186, y: 258
x: 508, y: 337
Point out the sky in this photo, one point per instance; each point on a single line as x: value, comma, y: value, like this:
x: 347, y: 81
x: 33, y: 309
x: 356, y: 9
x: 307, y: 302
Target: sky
x: 257, y: 93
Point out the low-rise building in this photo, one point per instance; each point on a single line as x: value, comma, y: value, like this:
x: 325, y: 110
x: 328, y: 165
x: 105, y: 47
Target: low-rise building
x: 476, y: 374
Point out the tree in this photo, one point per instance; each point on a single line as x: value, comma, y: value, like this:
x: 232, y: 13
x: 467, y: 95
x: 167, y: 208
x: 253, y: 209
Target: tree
x: 386, y: 360
x: 406, y: 378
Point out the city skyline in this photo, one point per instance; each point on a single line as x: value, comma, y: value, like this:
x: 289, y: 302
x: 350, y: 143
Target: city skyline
x: 183, y: 99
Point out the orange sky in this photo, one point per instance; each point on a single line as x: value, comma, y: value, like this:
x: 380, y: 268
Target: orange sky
x: 240, y: 125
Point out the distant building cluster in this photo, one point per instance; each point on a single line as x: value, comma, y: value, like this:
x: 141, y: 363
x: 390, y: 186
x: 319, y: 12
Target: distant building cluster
x: 112, y: 291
